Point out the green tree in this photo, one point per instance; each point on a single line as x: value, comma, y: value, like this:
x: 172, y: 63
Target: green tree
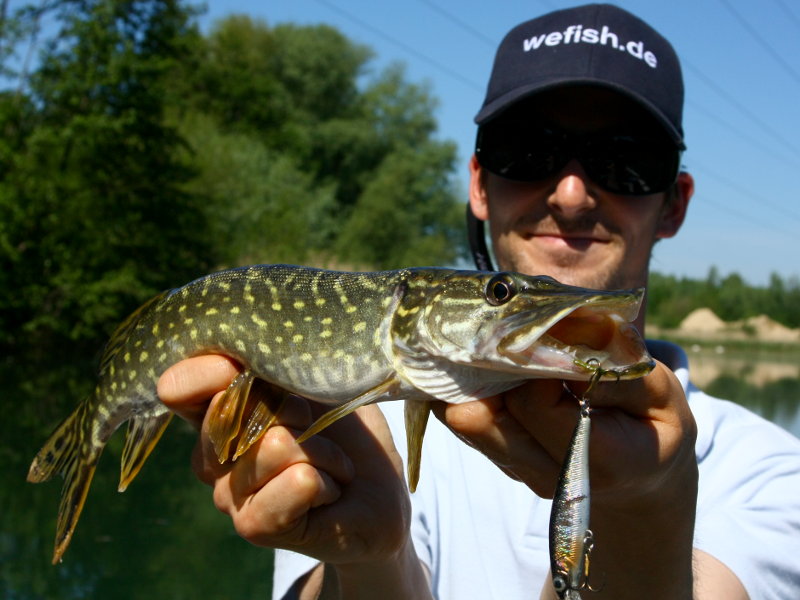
x: 322, y: 136
x: 405, y: 215
x: 736, y: 298
x: 93, y: 215
x: 257, y: 202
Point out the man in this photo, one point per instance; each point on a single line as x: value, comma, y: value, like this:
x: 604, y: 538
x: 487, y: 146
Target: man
x: 576, y: 172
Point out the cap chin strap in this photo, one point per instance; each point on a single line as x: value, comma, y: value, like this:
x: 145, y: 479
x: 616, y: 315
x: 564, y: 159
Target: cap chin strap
x: 477, y: 242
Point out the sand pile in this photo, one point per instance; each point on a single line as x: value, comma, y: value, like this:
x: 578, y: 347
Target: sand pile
x: 702, y: 322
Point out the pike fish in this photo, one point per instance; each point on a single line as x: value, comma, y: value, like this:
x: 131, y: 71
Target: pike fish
x: 341, y: 339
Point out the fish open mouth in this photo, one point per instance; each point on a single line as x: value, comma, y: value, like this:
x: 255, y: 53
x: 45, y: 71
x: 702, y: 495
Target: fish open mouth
x: 578, y: 341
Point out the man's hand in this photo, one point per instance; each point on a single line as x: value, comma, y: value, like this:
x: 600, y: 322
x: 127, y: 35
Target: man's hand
x: 642, y: 465
x: 339, y: 497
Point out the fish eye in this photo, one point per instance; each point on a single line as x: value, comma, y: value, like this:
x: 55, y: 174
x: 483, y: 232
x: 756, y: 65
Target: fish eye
x: 500, y: 289
x: 559, y: 583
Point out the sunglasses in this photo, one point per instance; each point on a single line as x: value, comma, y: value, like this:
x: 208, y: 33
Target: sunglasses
x: 631, y: 165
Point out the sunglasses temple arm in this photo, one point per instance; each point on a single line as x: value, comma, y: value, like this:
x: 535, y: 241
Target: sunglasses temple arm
x: 477, y: 242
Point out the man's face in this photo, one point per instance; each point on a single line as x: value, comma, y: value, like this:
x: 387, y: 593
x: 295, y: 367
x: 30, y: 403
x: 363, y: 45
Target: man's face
x: 566, y: 226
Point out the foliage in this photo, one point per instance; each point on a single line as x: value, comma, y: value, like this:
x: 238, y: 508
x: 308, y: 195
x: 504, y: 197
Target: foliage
x: 256, y: 201
x: 299, y: 99
x: 92, y: 217
x: 671, y: 298
x: 405, y: 201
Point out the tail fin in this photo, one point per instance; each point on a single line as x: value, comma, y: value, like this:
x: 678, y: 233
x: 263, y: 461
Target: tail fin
x: 66, y: 454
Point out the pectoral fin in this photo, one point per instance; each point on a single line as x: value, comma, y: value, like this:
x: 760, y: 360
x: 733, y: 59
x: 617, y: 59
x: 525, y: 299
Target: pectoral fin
x: 263, y: 398
x: 225, y: 419
x: 380, y: 392
x: 416, y: 413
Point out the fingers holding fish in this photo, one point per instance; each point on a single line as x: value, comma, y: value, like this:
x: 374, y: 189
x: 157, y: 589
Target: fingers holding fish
x: 642, y: 430
x: 546, y: 411
x: 644, y: 436
x: 489, y: 426
x: 326, y: 497
x: 276, y: 512
x: 294, y: 413
x: 187, y: 386
x: 278, y: 451
x: 644, y: 479
x: 282, y: 494
x: 376, y: 500
x: 347, y: 339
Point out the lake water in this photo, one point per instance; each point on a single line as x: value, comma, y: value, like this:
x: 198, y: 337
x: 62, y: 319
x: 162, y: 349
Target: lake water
x: 163, y: 538
x: 767, y: 382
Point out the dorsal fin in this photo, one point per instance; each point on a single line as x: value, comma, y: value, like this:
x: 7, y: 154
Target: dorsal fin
x: 122, y: 332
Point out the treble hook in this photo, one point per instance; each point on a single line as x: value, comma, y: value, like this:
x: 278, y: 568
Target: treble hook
x: 586, y: 583
x: 597, y: 375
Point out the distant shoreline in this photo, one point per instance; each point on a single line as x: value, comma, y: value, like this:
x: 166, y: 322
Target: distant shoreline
x: 703, y: 327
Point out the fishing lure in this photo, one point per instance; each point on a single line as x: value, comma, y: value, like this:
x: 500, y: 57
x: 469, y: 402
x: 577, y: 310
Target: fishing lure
x: 571, y: 539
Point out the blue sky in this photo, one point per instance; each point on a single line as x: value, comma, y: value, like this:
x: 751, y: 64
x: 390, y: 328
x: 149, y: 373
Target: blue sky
x: 741, y: 119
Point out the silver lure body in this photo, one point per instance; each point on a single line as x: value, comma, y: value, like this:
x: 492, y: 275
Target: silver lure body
x: 570, y: 536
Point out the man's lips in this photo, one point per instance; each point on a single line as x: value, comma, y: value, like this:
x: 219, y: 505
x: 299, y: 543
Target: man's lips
x: 576, y: 241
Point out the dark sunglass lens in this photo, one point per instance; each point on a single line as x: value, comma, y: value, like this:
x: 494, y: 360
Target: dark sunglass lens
x: 631, y: 166
x: 519, y: 151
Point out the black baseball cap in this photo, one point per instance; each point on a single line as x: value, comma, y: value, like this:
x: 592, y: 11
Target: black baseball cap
x: 595, y: 44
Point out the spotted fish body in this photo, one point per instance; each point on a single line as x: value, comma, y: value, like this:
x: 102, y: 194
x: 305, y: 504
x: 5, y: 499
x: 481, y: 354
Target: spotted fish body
x: 341, y: 339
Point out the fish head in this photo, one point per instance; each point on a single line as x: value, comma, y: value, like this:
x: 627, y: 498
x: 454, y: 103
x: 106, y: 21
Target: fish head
x: 534, y: 326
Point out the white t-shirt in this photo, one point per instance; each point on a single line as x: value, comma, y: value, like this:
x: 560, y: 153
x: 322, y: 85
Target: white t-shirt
x: 484, y: 535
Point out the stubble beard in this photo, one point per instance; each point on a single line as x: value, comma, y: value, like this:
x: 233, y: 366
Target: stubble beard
x: 569, y: 270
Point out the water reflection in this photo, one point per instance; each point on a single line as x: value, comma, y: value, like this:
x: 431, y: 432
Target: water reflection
x: 766, y: 383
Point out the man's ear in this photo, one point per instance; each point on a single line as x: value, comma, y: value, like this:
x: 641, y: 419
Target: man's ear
x: 477, y: 190
x: 675, y: 209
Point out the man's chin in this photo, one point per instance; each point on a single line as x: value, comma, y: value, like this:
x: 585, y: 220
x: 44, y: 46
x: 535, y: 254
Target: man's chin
x: 582, y: 273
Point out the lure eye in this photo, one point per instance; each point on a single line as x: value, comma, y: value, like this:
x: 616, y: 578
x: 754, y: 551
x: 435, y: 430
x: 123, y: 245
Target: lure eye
x: 559, y: 584
x: 500, y: 290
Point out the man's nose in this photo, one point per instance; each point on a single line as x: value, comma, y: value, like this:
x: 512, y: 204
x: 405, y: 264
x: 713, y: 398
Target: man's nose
x: 571, y: 196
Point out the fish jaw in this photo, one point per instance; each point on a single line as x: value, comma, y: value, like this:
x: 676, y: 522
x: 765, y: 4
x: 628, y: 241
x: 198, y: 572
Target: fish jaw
x: 540, y: 328
x: 578, y: 343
